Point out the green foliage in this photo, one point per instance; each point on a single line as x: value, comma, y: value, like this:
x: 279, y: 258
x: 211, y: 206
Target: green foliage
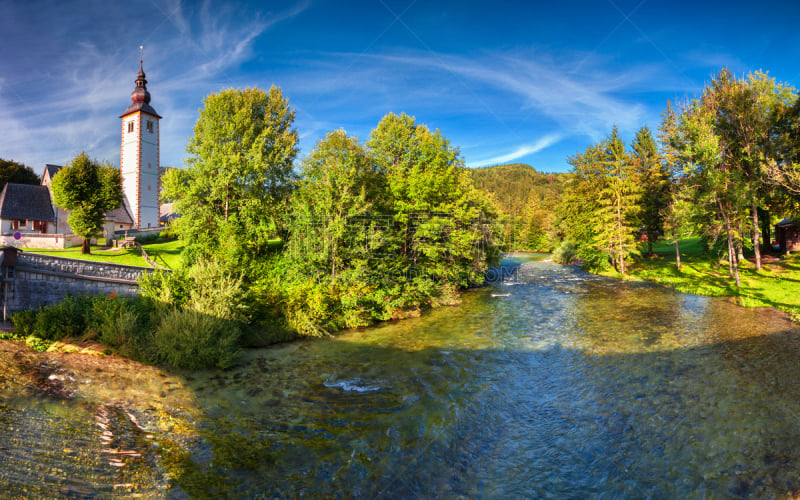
x: 617, y: 219
x: 11, y: 171
x: 217, y: 292
x: 565, y: 253
x: 332, y: 205
x: 600, y: 207
x: 88, y: 190
x: 653, y: 177
x: 439, y: 229
x: 24, y: 322
x: 206, y: 287
x: 189, y: 339
x: 37, y: 344
x: 234, y: 191
x: 527, y: 202
x: 377, y: 232
x: 167, y: 289
x: 64, y: 319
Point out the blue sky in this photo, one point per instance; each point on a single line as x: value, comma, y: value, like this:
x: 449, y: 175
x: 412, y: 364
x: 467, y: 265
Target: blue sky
x: 530, y: 82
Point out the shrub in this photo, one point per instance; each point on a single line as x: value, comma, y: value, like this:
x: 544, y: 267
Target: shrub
x: 65, y: 319
x: 24, y: 322
x: 166, y: 289
x: 564, y: 253
x: 189, y: 339
x: 217, y: 292
x: 206, y: 287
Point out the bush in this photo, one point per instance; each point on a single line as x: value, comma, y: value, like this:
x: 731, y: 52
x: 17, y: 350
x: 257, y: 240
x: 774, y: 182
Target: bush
x: 24, y: 322
x: 188, y: 339
x: 206, y: 287
x: 166, y: 289
x: 564, y: 253
x: 217, y: 292
x: 65, y: 319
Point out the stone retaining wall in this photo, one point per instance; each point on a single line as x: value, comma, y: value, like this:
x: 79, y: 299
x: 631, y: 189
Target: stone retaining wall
x: 39, y: 280
x: 80, y: 267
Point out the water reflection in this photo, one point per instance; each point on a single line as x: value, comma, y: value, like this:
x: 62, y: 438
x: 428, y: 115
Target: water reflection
x: 550, y: 383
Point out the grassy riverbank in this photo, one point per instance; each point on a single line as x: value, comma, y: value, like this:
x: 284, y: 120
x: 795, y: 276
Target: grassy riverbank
x: 776, y: 285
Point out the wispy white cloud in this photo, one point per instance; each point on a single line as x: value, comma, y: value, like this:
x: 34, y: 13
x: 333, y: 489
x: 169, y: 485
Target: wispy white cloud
x: 585, y: 103
x: 520, y: 151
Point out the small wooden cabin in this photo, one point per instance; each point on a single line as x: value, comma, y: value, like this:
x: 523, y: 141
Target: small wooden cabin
x: 787, y: 233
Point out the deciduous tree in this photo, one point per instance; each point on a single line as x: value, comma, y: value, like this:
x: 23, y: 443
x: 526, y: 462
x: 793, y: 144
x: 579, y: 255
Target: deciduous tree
x: 88, y: 190
x: 11, y: 171
x: 239, y: 176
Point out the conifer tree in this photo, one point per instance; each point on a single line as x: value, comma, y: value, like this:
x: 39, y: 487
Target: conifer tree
x: 653, y: 179
x: 617, y: 216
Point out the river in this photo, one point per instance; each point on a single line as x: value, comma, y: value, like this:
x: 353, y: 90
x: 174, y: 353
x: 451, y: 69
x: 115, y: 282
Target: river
x: 550, y: 382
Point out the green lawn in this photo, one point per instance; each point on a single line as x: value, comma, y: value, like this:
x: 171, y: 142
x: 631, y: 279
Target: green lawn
x: 776, y: 285
x: 166, y: 254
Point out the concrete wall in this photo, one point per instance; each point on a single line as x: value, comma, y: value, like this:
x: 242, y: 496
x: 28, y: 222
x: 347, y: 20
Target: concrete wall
x: 40, y: 280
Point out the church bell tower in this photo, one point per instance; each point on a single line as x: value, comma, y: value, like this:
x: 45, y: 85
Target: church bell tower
x: 139, y: 156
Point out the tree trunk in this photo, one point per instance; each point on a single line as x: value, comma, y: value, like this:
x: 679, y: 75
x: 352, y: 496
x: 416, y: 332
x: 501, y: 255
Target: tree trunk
x: 733, y: 266
x: 766, y: 229
x: 649, y: 246
x: 677, y: 255
x: 619, y: 235
x: 85, y: 247
x: 756, y: 237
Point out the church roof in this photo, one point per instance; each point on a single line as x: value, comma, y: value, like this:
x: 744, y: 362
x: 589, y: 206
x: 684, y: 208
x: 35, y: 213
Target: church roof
x: 140, y: 106
x: 24, y: 201
x: 119, y: 215
x: 140, y: 97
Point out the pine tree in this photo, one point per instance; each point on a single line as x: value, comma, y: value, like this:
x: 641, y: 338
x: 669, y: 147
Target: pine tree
x: 617, y: 216
x: 654, y: 182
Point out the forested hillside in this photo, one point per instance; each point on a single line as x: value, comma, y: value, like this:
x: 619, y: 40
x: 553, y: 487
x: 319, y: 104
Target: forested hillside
x: 527, y: 200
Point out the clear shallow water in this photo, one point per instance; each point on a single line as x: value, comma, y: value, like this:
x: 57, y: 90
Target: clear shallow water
x: 552, y: 382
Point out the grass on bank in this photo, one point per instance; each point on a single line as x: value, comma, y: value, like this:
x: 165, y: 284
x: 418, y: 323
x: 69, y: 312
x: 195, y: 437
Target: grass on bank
x: 776, y: 285
x: 167, y: 254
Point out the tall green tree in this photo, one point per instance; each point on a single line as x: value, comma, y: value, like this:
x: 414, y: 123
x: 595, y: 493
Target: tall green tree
x: 654, y: 182
x: 332, y: 204
x: 718, y: 185
x: 439, y: 232
x: 11, y: 171
x: 744, y: 108
x: 677, y: 213
x: 88, y: 190
x: 238, y: 179
x: 784, y: 169
x: 577, y: 212
x: 617, y: 214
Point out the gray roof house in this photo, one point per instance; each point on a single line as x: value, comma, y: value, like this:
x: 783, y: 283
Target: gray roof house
x: 26, y: 202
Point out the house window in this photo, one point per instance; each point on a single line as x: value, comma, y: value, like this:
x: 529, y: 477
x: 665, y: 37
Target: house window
x: 120, y: 226
x: 130, y: 126
x: 19, y: 224
x: 150, y: 126
x: 40, y: 225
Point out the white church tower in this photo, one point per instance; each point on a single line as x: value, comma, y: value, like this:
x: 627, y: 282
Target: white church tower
x: 139, y: 156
